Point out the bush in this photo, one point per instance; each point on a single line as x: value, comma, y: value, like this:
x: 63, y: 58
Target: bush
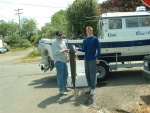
x: 33, y: 56
x: 34, y: 53
x: 12, y: 39
x: 34, y: 39
x: 26, y: 43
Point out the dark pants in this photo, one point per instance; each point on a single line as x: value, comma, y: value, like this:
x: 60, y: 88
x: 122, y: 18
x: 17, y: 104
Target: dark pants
x: 90, y: 71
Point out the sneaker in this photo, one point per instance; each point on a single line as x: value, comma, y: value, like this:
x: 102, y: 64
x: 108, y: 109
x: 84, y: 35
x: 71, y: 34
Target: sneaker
x: 87, y: 91
x: 68, y: 89
x: 92, y: 92
x: 63, y: 92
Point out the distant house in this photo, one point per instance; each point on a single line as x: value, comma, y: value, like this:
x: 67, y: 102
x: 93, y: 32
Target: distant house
x: 1, y: 41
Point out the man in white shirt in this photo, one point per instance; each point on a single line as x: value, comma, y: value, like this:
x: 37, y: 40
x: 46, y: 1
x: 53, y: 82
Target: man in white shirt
x: 61, y: 58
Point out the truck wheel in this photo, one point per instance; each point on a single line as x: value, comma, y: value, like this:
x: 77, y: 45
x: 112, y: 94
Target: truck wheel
x: 102, y: 71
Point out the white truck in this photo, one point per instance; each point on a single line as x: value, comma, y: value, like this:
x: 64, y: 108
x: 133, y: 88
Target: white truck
x: 124, y: 38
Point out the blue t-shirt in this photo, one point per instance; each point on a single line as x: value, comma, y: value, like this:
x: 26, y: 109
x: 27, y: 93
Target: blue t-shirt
x: 91, y: 47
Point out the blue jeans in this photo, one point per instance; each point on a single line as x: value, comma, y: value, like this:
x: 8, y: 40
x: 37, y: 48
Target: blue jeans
x: 62, y: 75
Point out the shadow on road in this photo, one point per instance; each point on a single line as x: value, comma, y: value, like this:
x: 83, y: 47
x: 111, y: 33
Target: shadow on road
x: 78, y: 98
x: 145, y: 99
x: 52, y: 100
x: 46, y: 82
x: 116, y: 78
x: 125, y: 77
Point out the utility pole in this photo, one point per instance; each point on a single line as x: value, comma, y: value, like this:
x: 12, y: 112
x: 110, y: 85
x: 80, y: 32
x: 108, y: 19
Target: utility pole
x: 18, y: 13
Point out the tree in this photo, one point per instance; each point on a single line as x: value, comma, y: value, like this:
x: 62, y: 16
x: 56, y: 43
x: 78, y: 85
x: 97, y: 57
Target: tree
x: 77, y: 13
x: 29, y: 27
x: 12, y: 28
x: 120, y: 6
x: 8, y: 28
x: 12, y: 40
x: 46, y: 31
x: 3, y: 28
x: 59, y: 22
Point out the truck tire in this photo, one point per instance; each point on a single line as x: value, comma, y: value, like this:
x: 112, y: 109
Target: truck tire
x: 102, y: 71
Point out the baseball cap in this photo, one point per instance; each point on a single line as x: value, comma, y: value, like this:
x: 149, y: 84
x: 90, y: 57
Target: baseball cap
x: 58, y: 33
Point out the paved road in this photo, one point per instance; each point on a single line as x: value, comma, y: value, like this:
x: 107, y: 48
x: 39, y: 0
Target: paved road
x: 26, y: 89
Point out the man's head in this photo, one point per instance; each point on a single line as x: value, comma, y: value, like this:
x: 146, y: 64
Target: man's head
x: 59, y: 34
x: 89, y: 31
x: 89, y: 28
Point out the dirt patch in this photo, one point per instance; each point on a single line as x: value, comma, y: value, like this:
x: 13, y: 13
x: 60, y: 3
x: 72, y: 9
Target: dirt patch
x: 143, y: 105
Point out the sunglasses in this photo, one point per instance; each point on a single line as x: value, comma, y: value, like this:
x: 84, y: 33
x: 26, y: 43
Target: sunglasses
x: 59, y: 35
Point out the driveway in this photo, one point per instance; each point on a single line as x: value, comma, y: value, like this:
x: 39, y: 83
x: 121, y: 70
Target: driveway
x: 26, y: 89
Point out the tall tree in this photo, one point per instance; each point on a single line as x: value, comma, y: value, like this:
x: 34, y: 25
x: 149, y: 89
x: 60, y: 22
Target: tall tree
x: 3, y: 28
x: 59, y: 22
x: 12, y: 27
x: 77, y: 15
x: 121, y: 6
x: 8, y: 28
x: 29, y: 27
x: 46, y: 31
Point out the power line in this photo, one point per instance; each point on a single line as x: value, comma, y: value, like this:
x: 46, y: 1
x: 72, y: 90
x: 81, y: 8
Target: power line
x: 32, y: 4
x: 5, y: 17
x: 35, y: 17
x: 4, y: 5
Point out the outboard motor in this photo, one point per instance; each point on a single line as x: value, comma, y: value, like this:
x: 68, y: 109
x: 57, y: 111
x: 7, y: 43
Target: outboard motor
x: 46, y: 62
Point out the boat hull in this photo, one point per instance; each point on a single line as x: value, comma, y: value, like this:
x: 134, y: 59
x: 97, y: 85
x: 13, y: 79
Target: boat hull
x: 133, y: 50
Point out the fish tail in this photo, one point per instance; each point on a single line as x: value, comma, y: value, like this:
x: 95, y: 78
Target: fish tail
x: 77, y: 57
x: 76, y: 76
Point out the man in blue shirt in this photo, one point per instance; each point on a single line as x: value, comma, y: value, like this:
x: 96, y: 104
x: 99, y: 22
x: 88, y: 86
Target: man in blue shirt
x: 92, y: 49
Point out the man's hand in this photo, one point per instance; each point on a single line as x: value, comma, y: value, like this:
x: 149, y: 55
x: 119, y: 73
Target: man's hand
x: 97, y: 61
x: 65, y: 51
x: 68, y: 60
x: 76, y: 48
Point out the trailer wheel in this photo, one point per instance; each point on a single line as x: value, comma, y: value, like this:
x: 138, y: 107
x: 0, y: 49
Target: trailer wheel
x: 102, y: 71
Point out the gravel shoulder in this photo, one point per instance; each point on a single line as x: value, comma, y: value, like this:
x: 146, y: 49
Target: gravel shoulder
x: 26, y: 89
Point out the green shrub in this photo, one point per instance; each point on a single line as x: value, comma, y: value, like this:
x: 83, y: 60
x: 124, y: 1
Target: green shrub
x: 33, y: 54
x: 34, y: 39
x: 26, y: 43
x: 12, y: 39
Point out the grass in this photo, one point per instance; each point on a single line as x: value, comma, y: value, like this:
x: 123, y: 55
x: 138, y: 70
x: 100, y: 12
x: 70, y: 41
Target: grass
x: 33, y: 56
x: 18, y: 49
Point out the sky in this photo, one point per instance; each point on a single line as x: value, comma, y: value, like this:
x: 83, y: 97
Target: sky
x: 40, y: 10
